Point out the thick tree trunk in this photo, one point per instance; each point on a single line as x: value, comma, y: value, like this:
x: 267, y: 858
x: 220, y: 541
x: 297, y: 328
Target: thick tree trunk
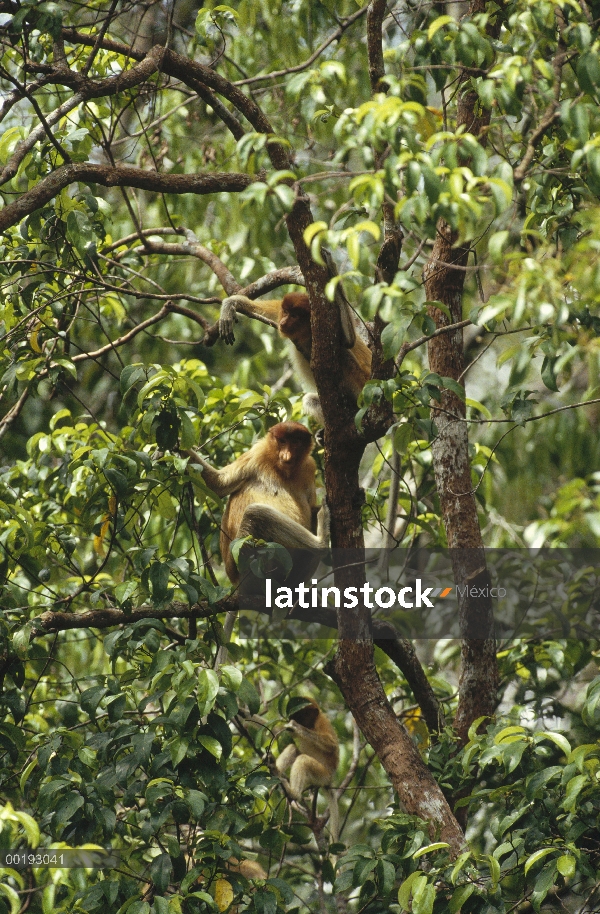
x: 444, y: 276
x: 354, y: 671
x: 478, y: 682
x: 353, y: 667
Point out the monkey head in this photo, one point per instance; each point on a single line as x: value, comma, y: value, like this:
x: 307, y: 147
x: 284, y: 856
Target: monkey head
x: 294, y: 323
x: 291, y: 444
x: 307, y: 715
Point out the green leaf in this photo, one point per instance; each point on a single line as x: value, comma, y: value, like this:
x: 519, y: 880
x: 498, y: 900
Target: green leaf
x: 566, y: 865
x: 91, y: 698
x: 429, y: 849
x: 208, y: 687
x: 125, y: 590
x: 410, y: 885
x: 212, y: 745
x: 159, y: 579
x: 548, y: 373
x: 79, y: 230
x: 248, y: 695
x: 496, y: 245
x: 537, y: 856
x: 459, y: 896
x: 130, y: 375
x: 187, y: 433
x: 196, y: 802
x: 454, y: 386
x: 574, y: 788
x: 557, y: 738
x: 494, y: 869
x: 587, y: 67
x: 13, y: 898
x: 160, y: 872
x: 117, y: 481
x: 459, y: 865
x: 138, y: 907
x: 231, y: 677
x: 21, y: 640
x: 423, y: 899
x: 543, y: 884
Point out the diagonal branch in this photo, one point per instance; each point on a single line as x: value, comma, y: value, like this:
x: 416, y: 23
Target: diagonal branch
x: 38, y: 133
x: 193, y: 247
x: 168, y: 308
x: 307, y: 63
x: 149, y: 64
x: 18, y: 95
x: 192, y: 74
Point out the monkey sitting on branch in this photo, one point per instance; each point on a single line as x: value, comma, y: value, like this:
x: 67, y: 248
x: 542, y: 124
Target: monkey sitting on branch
x: 292, y: 313
x: 312, y: 758
x: 272, y: 493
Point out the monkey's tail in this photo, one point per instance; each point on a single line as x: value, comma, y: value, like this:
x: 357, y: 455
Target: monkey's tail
x: 334, y: 813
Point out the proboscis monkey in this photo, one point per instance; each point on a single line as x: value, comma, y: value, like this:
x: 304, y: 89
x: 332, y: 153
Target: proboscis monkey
x: 272, y: 493
x: 292, y: 313
x: 313, y: 757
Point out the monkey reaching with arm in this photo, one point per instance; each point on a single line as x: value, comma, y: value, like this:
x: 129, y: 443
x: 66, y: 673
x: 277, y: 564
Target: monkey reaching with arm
x: 272, y: 493
x: 312, y: 758
x: 292, y: 312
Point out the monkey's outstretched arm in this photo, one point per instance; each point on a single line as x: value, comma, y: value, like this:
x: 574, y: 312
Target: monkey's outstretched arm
x: 222, y: 482
x: 270, y: 308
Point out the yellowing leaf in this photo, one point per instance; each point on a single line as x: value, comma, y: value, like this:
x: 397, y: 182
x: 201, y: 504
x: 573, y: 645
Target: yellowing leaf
x: 437, y: 24
x: 33, y: 338
x: 223, y: 894
x: 99, y: 539
x: 510, y: 734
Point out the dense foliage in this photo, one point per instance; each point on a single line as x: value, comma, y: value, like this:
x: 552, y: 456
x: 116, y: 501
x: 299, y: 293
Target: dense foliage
x: 117, y: 726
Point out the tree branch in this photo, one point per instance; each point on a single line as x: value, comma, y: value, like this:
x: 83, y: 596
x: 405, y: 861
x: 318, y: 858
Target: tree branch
x: 154, y: 181
x: 193, y: 247
x: 17, y: 95
x: 375, y: 15
x: 408, y: 347
x: 399, y: 650
x: 43, y: 129
x: 307, y: 63
x: 197, y: 77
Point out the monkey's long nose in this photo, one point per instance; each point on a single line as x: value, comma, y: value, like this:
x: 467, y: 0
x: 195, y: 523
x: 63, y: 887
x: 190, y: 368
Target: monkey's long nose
x: 285, y: 455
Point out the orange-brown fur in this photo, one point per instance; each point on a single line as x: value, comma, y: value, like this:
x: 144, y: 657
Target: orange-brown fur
x: 294, y: 324
x: 292, y: 313
x: 313, y: 757
x: 272, y: 492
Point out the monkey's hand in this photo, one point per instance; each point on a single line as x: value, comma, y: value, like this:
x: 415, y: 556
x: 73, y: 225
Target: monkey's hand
x: 215, y: 479
x: 323, y: 520
x: 227, y: 318
x: 196, y: 458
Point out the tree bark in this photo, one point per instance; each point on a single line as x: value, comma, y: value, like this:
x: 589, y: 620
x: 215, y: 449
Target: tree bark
x: 444, y: 276
x: 107, y: 176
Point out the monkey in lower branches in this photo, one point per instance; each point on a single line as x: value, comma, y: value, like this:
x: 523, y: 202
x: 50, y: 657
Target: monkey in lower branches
x: 292, y: 312
x: 272, y: 493
x: 313, y: 757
